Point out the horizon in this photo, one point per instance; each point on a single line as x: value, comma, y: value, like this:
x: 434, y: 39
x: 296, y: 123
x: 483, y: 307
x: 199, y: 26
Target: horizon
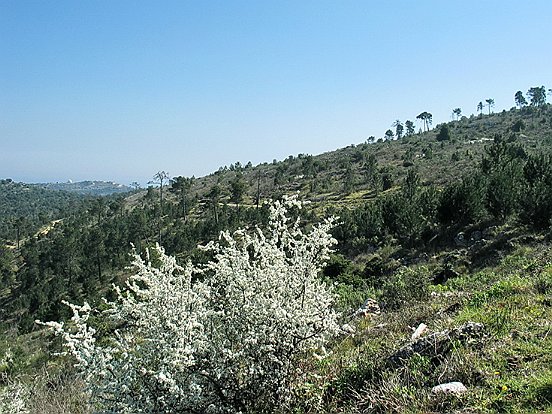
x: 117, y: 92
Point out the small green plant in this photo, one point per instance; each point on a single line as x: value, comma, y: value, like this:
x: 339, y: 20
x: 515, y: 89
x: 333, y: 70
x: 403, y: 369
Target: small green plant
x: 404, y: 286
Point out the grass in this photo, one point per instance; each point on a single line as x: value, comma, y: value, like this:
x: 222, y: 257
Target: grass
x: 508, y: 370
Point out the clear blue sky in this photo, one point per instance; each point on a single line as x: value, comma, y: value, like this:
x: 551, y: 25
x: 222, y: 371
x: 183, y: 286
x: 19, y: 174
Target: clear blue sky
x: 118, y: 90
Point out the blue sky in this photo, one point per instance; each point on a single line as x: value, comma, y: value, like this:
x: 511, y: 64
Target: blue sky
x: 118, y: 90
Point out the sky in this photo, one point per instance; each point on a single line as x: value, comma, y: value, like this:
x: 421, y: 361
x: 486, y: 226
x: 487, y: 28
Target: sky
x: 119, y: 90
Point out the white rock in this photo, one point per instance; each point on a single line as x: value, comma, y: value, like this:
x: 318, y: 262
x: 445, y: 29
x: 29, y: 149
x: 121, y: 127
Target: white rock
x: 449, y: 388
x: 348, y: 329
x: 419, y: 331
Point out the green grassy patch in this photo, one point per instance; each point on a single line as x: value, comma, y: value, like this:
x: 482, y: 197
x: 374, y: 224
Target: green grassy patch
x: 508, y: 369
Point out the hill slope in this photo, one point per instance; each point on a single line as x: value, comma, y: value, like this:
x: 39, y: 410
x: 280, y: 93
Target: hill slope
x: 26, y: 207
x: 93, y: 188
x: 439, y: 232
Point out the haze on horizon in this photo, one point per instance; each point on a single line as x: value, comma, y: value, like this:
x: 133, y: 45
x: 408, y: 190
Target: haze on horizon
x: 120, y: 90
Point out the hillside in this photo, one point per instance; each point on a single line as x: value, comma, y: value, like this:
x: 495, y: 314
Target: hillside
x: 445, y: 227
x: 349, y: 175
x: 92, y: 188
x: 24, y: 208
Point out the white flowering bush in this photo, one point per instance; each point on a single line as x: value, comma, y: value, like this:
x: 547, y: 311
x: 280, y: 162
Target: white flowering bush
x: 224, y: 337
x: 12, y: 399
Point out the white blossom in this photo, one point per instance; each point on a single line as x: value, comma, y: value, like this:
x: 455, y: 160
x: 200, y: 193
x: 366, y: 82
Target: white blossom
x: 12, y: 399
x: 223, y: 337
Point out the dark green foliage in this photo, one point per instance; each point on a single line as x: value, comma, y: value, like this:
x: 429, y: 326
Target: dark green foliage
x: 536, y: 194
x: 428, y: 152
x: 337, y: 265
x: 503, y: 190
x: 519, y: 99
x: 400, y: 218
x: 490, y: 104
x: 360, y: 228
x: 238, y: 187
x: 7, y: 266
x: 350, y: 180
x: 372, y: 173
x: 410, y: 185
x: 507, y: 183
x: 386, y: 178
x: 378, y: 269
x: 518, y: 126
x: 181, y: 186
x: 501, y: 153
x: 78, y: 258
x: 380, y: 233
x: 400, y: 213
x: 24, y: 208
x: 537, y: 95
x: 309, y: 166
x: 457, y: 112
x: 342, y: 270
x: 408, y: 157
x: 409, y: 128
x: 427, y: 119
x: 403, y: 287
x: 503, y: 166
x: 399, y: 128
x: 444, y: 133
x: 387, y: 206
x: 463, y: 202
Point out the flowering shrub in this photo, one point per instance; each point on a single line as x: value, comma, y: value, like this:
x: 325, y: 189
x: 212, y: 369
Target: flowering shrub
x: 12, y: 399
x: 224, y: 337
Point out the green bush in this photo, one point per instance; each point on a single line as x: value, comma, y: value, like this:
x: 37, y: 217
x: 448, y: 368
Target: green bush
x: 462, y: 203
x: 404, y: 286
x: 444, y: 133
x: 536, y: 197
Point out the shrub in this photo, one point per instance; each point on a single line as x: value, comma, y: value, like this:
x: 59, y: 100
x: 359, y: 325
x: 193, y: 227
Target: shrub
x: 518, y: 126
x: 220, y: 338
x: 536, y: 195
x: 404, y: 286
x: 444, y: 133
x: 504, y: 190
x: 12, y: 399
x: 462, y: 202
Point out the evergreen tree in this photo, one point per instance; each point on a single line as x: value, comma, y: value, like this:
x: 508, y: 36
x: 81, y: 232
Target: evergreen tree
x: 160, y: 178
x: 426, y: 118
x: 214, y: 200
x: 503, y: 166
x: 537, y: 95
x: 463, y: 202
x: 490, y: 104
x: 181, y: 186
x: 480, y: 108
x: 536, y: 194
x: 238, y: 187
x: 457, y: 112
x: 409, y: 128
x: 519, y: 99
x: 444, y: 133
x: 399, y: 128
